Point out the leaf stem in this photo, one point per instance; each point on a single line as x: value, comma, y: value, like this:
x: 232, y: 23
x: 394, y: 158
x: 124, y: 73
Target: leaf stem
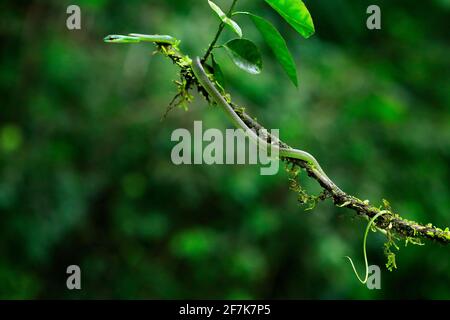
x: 219, y: 31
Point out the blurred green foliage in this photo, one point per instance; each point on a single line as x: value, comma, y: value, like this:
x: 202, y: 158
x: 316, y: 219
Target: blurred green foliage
x: 86, y: 176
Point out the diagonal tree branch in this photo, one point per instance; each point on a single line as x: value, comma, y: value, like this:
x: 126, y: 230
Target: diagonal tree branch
x: 390, y: 223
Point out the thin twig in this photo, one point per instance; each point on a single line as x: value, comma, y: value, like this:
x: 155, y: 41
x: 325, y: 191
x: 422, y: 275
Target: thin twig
x: 219, y: 31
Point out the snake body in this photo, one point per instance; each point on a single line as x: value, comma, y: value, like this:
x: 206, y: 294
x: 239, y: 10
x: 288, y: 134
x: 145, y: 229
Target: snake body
x: 206, y: 83
x: 284, y: 152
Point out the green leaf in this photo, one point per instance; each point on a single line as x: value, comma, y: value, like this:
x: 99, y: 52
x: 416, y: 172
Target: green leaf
x: 296, y: 14
x: 229, y: 22
x: 278, y: 45
x: 217, y: 71
x: 245, y: 55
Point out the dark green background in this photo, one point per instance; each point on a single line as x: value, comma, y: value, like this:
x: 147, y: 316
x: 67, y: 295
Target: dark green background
x: 86, y: 176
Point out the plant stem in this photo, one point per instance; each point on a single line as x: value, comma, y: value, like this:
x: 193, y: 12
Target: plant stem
x: 219, y: 31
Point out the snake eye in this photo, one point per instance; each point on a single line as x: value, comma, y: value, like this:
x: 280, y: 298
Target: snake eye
x: 111, y: 38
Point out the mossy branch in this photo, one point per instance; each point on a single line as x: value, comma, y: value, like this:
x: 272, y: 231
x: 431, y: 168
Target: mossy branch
x: 389, y: 223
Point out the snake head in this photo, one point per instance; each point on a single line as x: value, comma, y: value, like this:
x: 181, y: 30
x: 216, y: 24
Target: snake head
x: 114, y: 38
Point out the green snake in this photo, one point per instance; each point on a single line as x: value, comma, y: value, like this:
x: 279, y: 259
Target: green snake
x: 220, y: 100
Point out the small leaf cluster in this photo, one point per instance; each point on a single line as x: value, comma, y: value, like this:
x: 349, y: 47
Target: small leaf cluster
x: 246, y: 55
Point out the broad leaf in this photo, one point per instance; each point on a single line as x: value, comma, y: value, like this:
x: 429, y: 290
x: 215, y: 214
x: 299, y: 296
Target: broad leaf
x: 296, y: 14
x: 245, y: 55
x: 217, y: 71
x: 229, y: 22
x: 278, y: 45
